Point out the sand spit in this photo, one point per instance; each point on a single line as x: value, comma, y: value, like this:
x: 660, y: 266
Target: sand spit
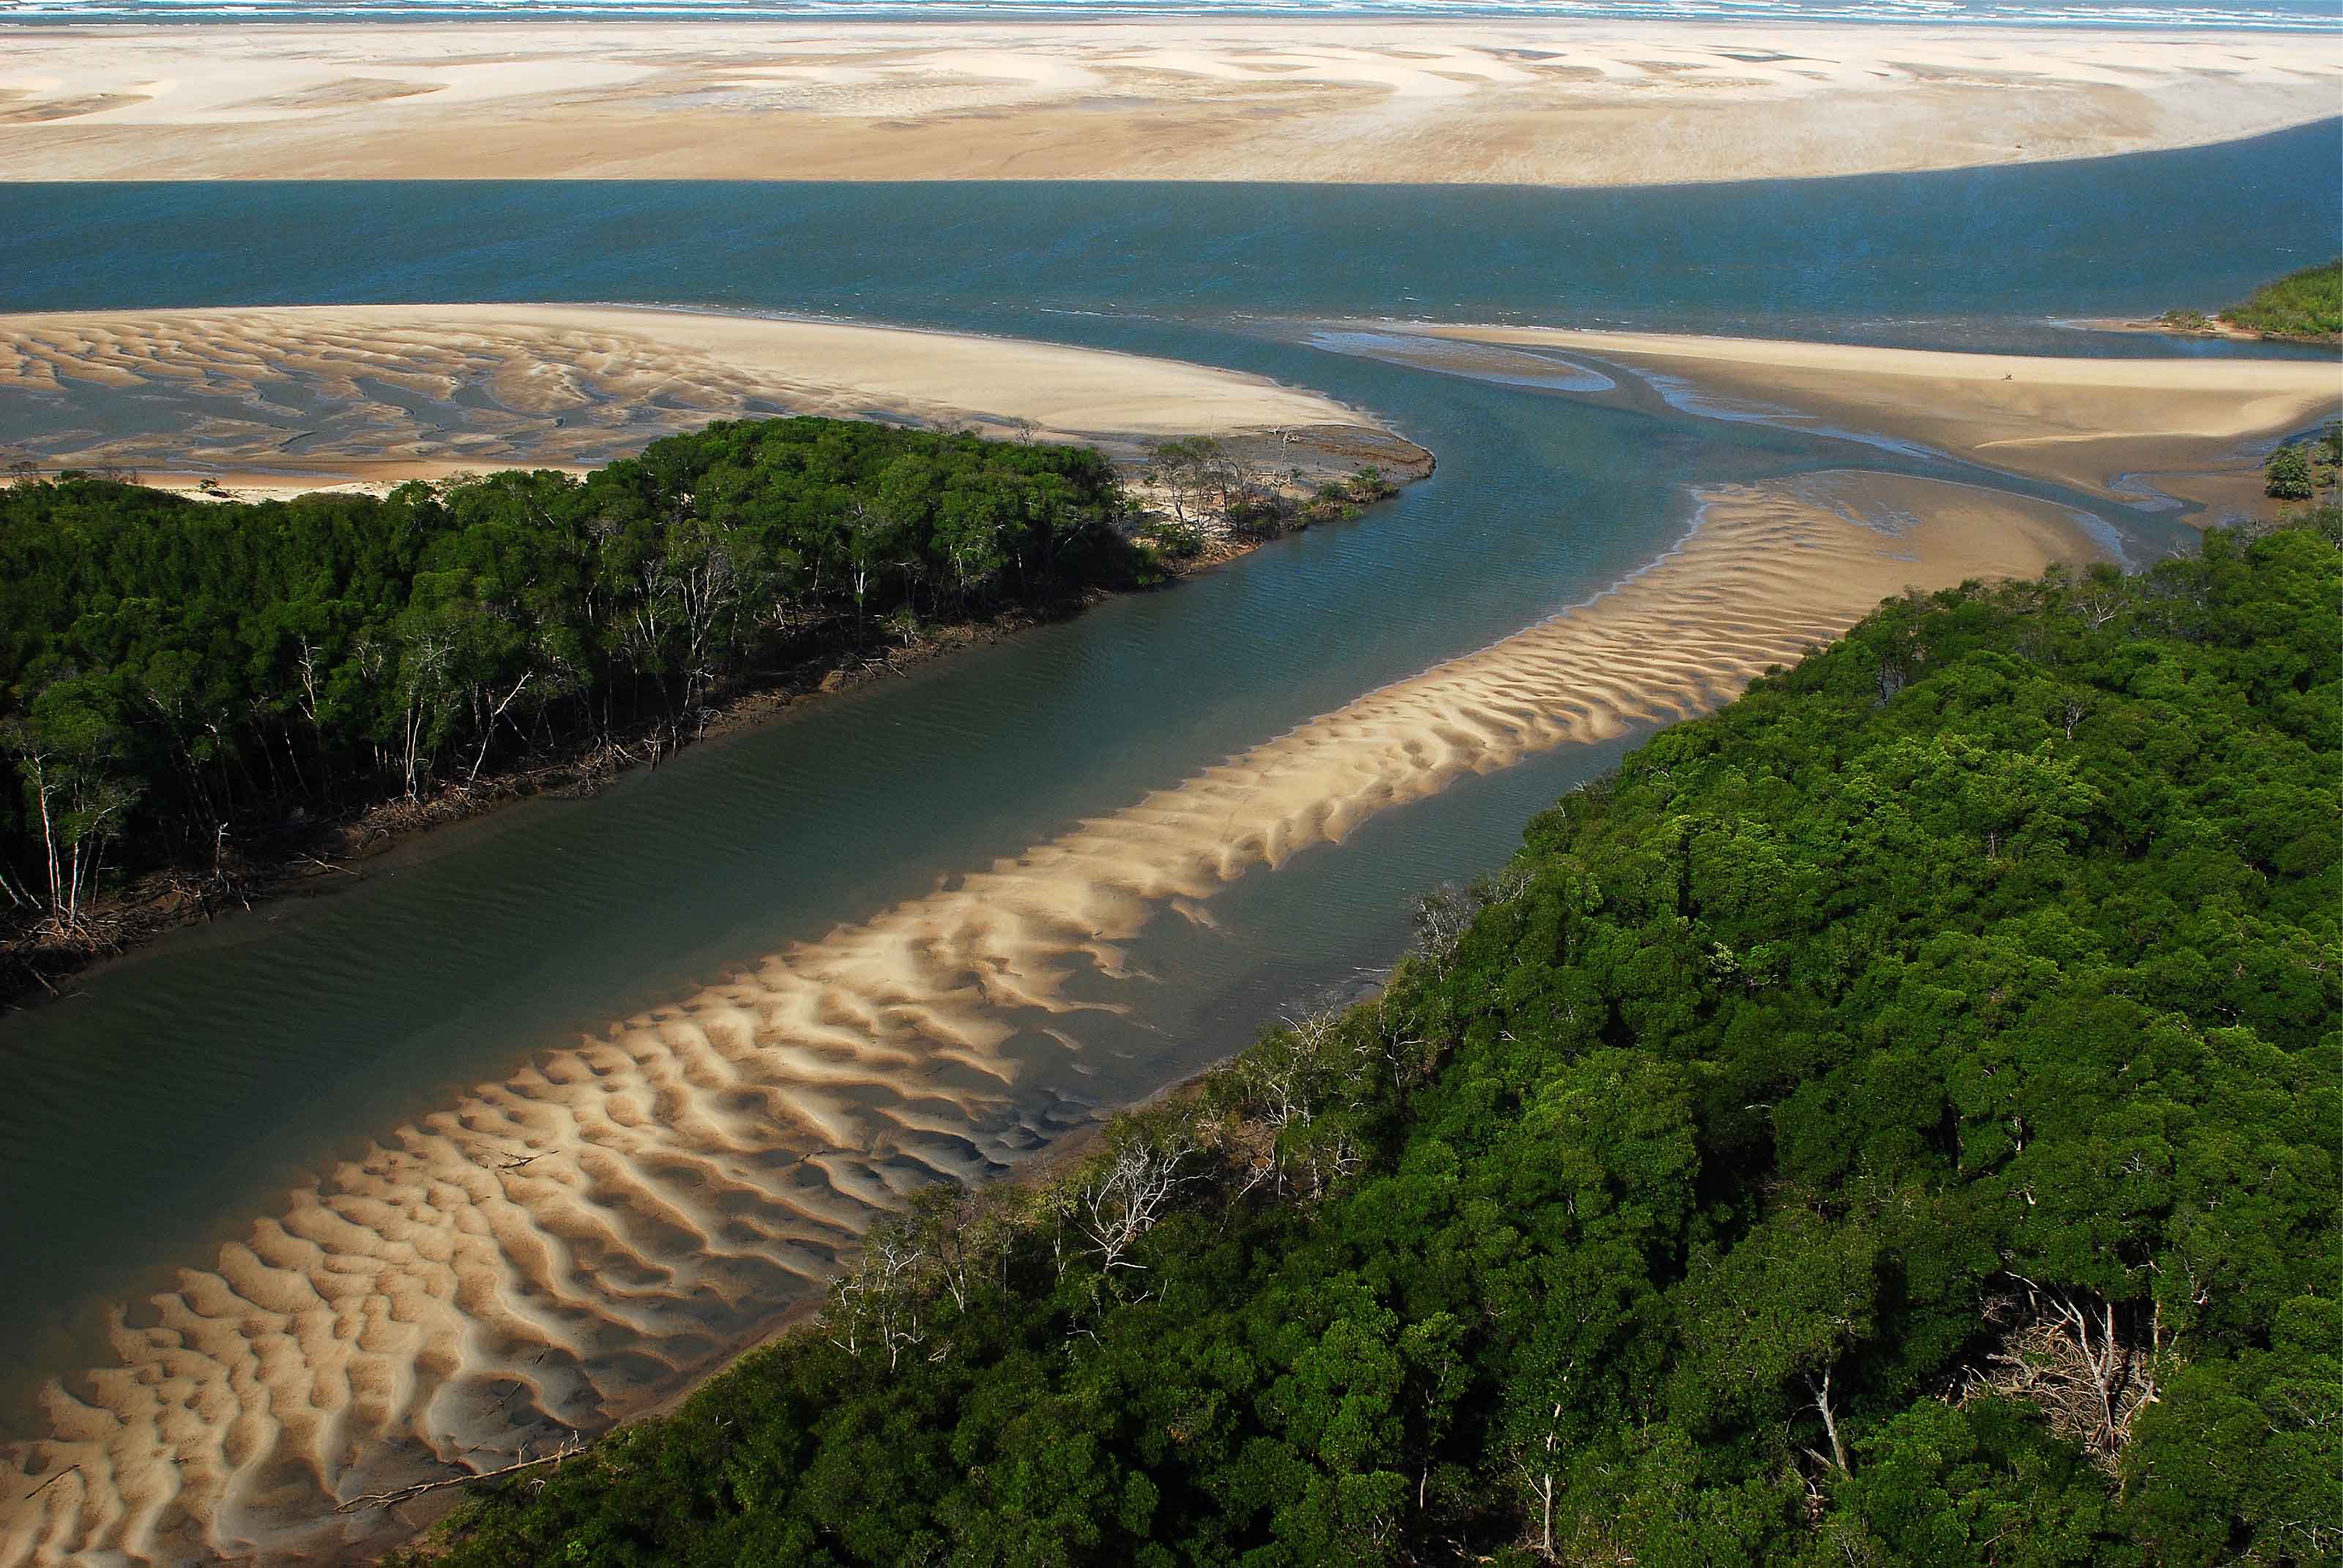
x: 1580, y: 103
x: 589, y: 1234
x: 2095, y: 424
x: 381, y: 392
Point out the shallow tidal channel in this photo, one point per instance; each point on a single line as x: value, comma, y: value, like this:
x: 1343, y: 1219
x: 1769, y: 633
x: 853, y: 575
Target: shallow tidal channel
x: 178, y: 1096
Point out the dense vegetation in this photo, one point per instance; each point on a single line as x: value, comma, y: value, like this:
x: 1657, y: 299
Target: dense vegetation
x: 2304, y: 303
x: 2302, y: 470
x: 1892, y: 1121
x: 177, y: 674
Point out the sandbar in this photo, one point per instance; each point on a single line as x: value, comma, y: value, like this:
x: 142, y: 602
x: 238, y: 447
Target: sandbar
x: 575, y: 1240
x: 308, y: 397
x: 2093, y: 424
x: 1441, y: 101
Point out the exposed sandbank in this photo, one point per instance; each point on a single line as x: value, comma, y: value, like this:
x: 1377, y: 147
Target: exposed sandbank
x: 260, y: 404
x: 578, y: 1240
x: 2204, y: 326
x: 374, y: 394
x: 2089, y: 423
x: 1580, y: 103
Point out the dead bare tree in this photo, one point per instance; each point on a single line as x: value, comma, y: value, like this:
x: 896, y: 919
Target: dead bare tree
x: 2099, y: 606
x: 1819, y: 1389
x: 1124, y: 1197
x: 2065, y: 1352
x: 1443, y: 915
x: 570, y: 1448
x: 1408, y: 1055
x: 489, y: 729
x: 881, y: 1300
x: 1538, y: 1477
x: 1285, y: 1076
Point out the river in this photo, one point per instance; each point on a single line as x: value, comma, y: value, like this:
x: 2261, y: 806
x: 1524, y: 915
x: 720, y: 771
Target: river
x: 182, y: 1092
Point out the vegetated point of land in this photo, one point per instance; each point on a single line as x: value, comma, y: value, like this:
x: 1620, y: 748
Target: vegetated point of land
x: 206, y: 702
x: 2304, y: 307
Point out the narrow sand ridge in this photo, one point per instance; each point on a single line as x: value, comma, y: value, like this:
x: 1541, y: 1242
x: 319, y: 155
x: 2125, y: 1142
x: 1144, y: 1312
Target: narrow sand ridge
x: 1583, y: 103
x: 390, y: 392
x: 591, y: 1234
x: 2083, y: 422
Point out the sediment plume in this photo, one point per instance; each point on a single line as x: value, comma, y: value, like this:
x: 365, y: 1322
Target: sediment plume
x: 588, y: 1234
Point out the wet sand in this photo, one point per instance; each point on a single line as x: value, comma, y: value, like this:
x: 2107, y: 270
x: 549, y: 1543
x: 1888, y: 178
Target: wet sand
x: 581, y: 1239
x: 297, y: 397
x: 2093, y: 424
x: 1550, y: 103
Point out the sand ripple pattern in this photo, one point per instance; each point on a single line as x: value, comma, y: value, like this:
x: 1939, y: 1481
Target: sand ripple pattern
x: 272, y: 392
x: 600, y: 1228
x: 399, y: 390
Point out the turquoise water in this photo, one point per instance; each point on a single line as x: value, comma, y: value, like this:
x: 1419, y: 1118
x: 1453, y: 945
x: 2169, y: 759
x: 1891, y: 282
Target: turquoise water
x: 180, y: 1092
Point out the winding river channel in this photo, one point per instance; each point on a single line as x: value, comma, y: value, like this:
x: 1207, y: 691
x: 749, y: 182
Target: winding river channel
x: 177, y: 1097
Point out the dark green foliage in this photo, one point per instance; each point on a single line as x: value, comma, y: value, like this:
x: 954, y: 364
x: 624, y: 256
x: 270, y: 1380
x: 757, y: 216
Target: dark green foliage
x: 2287, y: 475
x: 2300, y: 469
x: 2306, y: 304
x: 174, y: 671
x: 1892, y: 1120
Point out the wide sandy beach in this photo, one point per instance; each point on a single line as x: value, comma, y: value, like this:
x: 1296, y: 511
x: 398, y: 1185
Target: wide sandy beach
x: 1562, y: 103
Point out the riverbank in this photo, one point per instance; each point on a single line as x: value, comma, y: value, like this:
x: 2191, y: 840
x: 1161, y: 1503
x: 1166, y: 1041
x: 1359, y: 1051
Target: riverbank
x: 1586, y: 102
x: 557, y: 1254
x: 2097, y: 425
x: 2304, y: 307
x: 2193, y: 324
x: 1597, y: 1044
x: 314, y: 854
x: 258, y: 404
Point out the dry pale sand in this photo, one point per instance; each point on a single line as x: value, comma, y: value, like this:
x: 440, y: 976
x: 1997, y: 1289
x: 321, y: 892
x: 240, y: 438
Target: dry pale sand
x: 2095, y: 424
x: 1551, y: 103
x: 584, y: 1237
x: 381, y: 392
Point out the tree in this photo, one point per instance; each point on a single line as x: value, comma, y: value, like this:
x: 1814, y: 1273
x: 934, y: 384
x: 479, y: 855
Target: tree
x: 67, y: 753
x: 1778, y: 1313
x: 246, y: 662
x: 2287, y: 475
x: 1858, y: 1131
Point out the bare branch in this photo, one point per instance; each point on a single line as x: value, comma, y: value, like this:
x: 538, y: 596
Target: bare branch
x: 571, y: 1446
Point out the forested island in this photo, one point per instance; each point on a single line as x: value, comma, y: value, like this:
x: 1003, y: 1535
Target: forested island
x: 1889, y: 1120
x: 2306, y: 305
x: 194, y: 695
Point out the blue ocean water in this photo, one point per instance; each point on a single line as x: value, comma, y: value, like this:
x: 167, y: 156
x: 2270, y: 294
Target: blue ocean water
x: 2256, y: 16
